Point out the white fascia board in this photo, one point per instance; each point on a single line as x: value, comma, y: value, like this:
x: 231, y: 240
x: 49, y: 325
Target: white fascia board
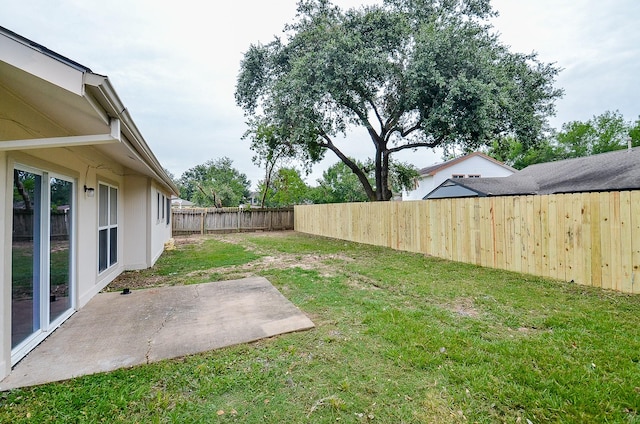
x: 133, y: 139
x: 34, y: 62
x: 99, y: 110
x: 136, y: 142
x: 78, y: 140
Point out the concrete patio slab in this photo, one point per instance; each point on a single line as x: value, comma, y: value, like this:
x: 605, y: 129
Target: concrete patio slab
x: 115, y: 331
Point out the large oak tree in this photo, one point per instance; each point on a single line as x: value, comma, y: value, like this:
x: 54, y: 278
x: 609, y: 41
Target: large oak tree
x: 413, y: 73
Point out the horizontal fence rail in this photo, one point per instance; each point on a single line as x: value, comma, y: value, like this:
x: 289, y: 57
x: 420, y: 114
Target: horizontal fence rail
x: 588, y: 238
x: 59, y: 225
x: 228, y: 220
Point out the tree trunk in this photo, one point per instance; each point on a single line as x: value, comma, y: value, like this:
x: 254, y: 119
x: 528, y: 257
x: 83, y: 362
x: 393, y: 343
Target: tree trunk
x: 21, y: 190
x: 384, y: 172
x: 378, y: 173
x: 267, y: 183
x: 356, y: 170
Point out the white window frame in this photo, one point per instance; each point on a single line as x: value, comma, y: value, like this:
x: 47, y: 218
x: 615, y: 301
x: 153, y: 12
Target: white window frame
x: 109, y: 225
x: 168, y: 212
x: 46, y: 326
x: 162, y: 204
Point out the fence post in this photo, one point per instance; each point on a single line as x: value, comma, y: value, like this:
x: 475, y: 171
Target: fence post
x: 202, y: 222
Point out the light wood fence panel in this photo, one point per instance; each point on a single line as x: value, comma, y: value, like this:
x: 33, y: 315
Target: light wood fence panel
x: 227, y: 220
x: 588, y: 238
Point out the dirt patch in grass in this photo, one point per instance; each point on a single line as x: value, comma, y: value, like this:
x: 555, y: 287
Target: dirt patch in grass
x: 136, y: 280
x: 327, y: 265
x: 182, y: 240
x: 464, y: 307
x: 280, y: 261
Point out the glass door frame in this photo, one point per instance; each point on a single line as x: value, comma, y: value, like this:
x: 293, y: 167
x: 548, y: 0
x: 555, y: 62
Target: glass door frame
x: 46, y: 326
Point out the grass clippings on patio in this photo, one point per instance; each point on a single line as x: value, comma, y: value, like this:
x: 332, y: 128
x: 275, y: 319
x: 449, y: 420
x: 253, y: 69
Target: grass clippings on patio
x: 399, y: 338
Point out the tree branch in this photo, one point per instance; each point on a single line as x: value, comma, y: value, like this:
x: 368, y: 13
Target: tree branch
x: 375, y: 110
x: 410, y: 130
x: 351, y: 165
x: 413, y: 146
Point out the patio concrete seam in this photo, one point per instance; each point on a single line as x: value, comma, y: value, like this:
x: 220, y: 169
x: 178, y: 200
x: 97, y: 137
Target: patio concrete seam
x: 150, y: 339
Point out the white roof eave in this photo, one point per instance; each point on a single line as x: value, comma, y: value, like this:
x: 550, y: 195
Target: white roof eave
x: 100, y: 87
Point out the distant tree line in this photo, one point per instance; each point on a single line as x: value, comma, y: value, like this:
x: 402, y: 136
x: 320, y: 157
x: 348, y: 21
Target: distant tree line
x: 216, y: 183
x: 603, y: 133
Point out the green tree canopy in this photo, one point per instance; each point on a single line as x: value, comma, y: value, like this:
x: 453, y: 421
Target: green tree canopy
x: 287, y: 189
x: 271, y: 152
x: 214, y: 183
x: 603, y: 133
x: 413, y: 73
x: 339, y: 185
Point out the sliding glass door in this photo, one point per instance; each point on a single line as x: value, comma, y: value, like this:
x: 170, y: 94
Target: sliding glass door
x: 26, y: 264
x: 42, y: 256
x: 60, y: 247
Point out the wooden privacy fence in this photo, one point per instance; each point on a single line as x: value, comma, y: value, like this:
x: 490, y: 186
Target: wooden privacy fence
x: 59, y: 225
x: 226, y: 220
x: 588, y: 238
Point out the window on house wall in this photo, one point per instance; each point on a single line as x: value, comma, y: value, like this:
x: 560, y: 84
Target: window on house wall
x: 168, y: 211
x: 107, y: 226
x: 162, y: 204
x: 473, y: 175
x: 158, y: 207
x: 457, y: 176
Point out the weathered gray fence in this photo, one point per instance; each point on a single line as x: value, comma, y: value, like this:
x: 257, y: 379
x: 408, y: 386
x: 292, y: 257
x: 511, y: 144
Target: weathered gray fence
x: 23, y: 225
x: 229, y: 220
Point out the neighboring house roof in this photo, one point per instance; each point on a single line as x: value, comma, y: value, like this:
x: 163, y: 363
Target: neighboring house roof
x: 182, y: 202
x: 76, y: 106
x: 613, y: 171
x: 433, y: 169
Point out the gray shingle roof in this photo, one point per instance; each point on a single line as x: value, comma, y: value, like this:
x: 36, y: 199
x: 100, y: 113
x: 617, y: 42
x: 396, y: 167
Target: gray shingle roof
x: 612, y: 171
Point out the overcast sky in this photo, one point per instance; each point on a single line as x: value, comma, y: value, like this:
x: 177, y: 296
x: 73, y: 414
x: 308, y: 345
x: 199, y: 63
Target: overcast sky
x: 174, y: 65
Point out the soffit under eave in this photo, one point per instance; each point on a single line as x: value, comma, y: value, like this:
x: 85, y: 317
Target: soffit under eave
x: 35, y: 108
x: 133, y: 146
x: 123, y: 154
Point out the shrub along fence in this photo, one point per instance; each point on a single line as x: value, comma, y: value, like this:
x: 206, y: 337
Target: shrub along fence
x: 588, y: 238
x: 228, y: 220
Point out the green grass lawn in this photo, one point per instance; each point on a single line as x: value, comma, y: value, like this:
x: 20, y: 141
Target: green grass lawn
x: 399, y: 338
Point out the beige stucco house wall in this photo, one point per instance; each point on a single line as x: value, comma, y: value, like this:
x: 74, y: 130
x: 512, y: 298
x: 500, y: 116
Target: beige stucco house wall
x: 64, y: 132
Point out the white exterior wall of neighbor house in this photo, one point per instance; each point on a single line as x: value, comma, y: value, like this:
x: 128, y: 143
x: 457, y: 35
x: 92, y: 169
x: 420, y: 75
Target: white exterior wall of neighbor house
x: 474, y: 165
